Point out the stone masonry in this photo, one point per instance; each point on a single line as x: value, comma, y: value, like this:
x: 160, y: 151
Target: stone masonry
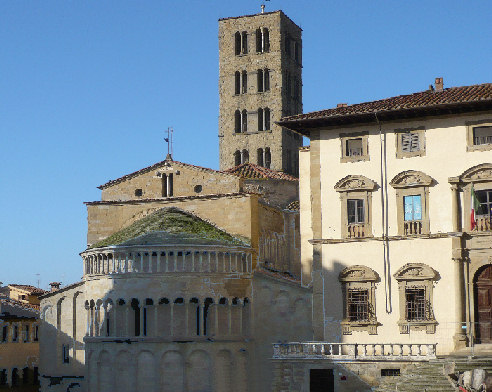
x: 240, y: 90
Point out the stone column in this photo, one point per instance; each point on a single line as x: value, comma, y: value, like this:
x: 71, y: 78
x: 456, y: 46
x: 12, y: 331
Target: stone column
x: 460, y: 339
x: 202, y: 319
x: 142, y: 313
x: 158, y: 261
x: 88, y: 327
x: 156, y: 315
x: 216, y: 317
x: 455, y: 210
x: 229, y: 317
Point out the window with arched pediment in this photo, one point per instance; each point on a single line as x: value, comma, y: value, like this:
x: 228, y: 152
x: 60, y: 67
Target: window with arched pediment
x: 476, y: 184
x: 359, y: 299
x: 412, y: 202
x: 356, y: 205
x: 415, y: 285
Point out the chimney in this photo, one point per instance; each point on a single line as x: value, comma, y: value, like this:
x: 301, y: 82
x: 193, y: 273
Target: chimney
x: 55, y: 286
x: 439, y: 84
x: 342, y: 105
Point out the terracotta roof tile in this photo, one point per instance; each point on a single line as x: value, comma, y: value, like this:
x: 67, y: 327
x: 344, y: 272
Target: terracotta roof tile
x: 28, y: 288
x: 450, y: 98
x: 13, y: 302
x: 293, y: 206
x: 252, y: 171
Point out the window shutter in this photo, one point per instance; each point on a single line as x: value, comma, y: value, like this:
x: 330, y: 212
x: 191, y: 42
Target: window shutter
x: 410, y: 142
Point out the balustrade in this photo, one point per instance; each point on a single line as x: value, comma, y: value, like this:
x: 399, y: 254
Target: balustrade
x: 342, y: 351
x: 167, y: 260
x: 356, y: 230
x: 482, y: 223
x: 412, y: 227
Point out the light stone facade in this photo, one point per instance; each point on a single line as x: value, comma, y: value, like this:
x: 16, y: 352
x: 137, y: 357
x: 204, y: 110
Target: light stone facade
x: 387, y: 256
x: 282, y: 57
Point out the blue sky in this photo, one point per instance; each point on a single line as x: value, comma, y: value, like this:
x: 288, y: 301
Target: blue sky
x: 87, y: 89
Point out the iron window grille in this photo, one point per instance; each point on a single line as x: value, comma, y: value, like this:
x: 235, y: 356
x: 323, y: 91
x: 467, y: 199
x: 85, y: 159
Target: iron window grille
x: 358, y: 305
x: 416, y: 306
x: 482, y: 135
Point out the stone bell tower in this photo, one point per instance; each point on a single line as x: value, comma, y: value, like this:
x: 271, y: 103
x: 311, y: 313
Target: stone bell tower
x: 260, y: 81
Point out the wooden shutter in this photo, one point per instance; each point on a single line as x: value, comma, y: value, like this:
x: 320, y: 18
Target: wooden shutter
x: 410, y: 142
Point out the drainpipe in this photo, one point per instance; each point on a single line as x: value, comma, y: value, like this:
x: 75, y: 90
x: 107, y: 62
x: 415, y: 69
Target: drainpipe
x: 384, y: 215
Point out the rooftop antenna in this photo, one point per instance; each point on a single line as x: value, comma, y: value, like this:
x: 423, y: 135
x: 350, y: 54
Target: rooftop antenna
x: 38, y: 280
x: 169, y: 141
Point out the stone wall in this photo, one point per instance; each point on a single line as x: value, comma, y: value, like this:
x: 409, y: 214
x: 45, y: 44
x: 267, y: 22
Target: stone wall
x: 187, y: 180
x: 234, y: 214
x: 278, y: 193
x: 283, y: 144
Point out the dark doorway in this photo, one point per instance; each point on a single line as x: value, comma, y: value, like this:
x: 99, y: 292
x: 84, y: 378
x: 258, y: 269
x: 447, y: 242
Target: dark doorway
x: 321, y: 380
x: 483, y: 302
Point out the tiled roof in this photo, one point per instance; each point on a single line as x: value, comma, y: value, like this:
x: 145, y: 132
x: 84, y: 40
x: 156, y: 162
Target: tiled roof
x: 448, y: 101
x: 293, y: 206
x: 153, y: 167
x: 250, y: 170
x: 28, y: 288
x: 13, y: 302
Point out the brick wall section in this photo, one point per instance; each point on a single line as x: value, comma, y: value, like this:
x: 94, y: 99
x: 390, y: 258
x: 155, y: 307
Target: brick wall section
x: 283, y: 144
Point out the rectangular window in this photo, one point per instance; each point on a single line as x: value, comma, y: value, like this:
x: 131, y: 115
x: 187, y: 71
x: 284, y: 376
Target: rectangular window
x: 482, y: 135
x: 358, y: 305
x: 36, y: 333
x: 5, y: 332
x: 485, y: 200
x: 65, y: 353
x: 413, y: 207
x: 390, y: 372
x: 15, y: 334
x: 354, y: 147
x: 410, y: 142
x: 355, y: 211
x: 26, y: 333
x: 3, y: 377
x: 415, y: 304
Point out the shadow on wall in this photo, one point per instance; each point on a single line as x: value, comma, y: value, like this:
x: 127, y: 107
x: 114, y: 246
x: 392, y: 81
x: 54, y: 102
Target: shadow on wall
x: 174, y: 321
x: 61, y: 354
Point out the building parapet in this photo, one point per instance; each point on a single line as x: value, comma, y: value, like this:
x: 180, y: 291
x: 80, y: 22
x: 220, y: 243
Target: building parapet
x: 355, y: 351
x: 167, y: 259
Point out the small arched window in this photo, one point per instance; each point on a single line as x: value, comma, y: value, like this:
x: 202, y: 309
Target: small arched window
x: 244, y: 46
x: 268, y: 158
x: 266, y: 116
x: 244, y: 121
x: 237, y: 158
x: 259, y: 157
x: 237, y: 83
x: 237, y: 121
x: 259, y: 40
x: 266, y: 40
x: 260, y: 80
x: 245, y: 156
x: 260, y: 119
x: 244, y: 82
x: 237, y: 40
x: 266, y: 77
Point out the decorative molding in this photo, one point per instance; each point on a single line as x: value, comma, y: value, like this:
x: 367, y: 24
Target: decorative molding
x: 355, y: 183
x: 416, y: 271
x: 411, y: 178
x: 478, y: 173
x: 358, y: 273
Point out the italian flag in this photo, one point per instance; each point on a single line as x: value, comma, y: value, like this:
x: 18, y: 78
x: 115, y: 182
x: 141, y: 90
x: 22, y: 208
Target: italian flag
x: 474, y: 207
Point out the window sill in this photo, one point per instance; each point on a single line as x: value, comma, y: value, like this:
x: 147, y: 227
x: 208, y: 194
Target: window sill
x: 481, y: 147
x: 429, y: 326
x: 361, y: 158
x: 251, y: 133
x: 401, y: 154
x: 360, y: 326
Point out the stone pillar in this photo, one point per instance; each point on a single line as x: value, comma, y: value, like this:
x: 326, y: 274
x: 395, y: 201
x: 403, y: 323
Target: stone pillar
x: 187, y: 305
x: 127, y: 314
x: 156, y: 316
x: 460, y: 339
x: 216, y: 317
x: 158, y: 261
x: 455, y: 210
x: 202, y: 319
x: 171, y: 316
x: 142, y: 313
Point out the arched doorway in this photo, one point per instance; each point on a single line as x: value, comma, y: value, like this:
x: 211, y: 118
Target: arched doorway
x: 483, y: 304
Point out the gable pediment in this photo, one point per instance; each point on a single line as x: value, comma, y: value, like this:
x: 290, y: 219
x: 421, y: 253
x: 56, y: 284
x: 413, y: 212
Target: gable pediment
x: 416, y: 271
x: 358, y: 273
x: 355, y: 183
x: 482, y: 172
x: 411, y: 178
